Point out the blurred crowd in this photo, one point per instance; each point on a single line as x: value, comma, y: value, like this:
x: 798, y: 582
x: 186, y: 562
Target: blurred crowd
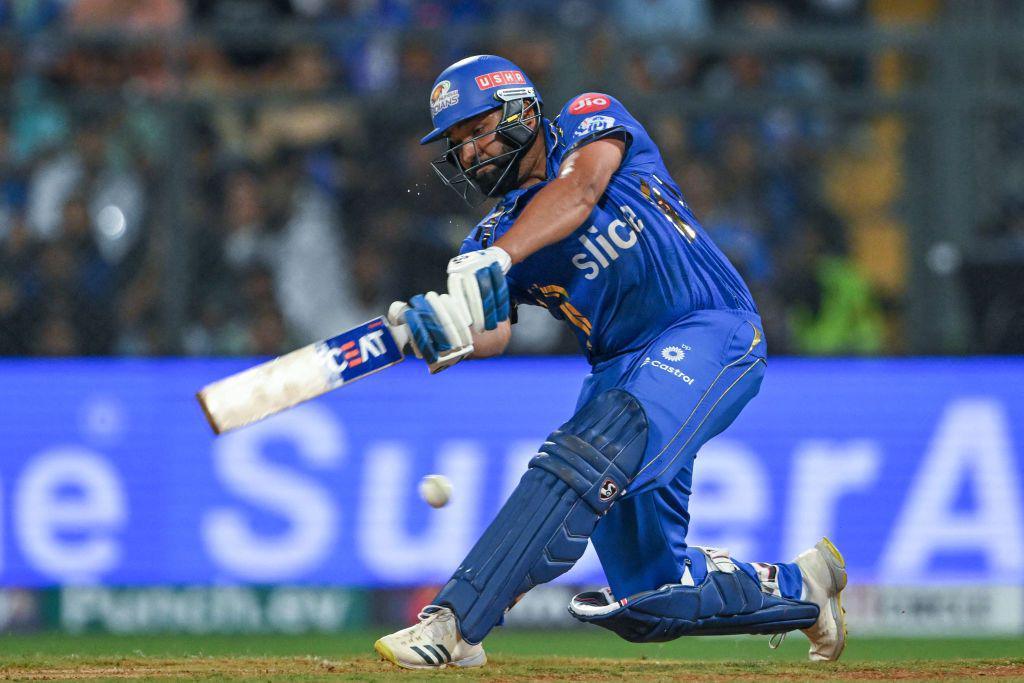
x: 243, y: 176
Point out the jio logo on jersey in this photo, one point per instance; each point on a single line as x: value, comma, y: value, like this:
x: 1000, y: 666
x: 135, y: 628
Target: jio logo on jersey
x: 593, y: 124
x: 604, y: 246
x: 589, y: 103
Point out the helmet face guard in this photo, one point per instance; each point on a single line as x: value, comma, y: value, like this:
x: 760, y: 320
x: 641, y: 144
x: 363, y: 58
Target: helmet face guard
x: 520, y: 107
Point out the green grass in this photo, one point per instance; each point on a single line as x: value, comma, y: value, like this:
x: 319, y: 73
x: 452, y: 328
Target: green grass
x: 587, y: 654
x: 575, y: 643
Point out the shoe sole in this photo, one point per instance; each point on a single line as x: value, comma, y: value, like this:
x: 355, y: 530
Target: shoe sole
x: 385, y: 652
x: 470, y: 662
x: 837, y: 569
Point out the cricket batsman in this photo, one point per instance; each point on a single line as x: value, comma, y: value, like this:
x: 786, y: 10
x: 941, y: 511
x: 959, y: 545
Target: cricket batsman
x: 590, y: 225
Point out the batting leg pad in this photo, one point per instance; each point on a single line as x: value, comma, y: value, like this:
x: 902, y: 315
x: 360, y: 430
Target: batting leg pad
x: 543, y: 528
x: 727, y: 602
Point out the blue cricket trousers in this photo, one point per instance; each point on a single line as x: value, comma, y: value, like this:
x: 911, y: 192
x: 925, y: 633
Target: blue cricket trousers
x: 692, y: 380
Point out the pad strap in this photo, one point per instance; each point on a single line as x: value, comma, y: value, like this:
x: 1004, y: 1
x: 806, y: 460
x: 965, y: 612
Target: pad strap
x: 725, y: 603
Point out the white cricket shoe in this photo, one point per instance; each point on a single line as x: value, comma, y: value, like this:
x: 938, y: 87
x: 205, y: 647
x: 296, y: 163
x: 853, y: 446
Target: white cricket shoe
x: 824, y: 574
x: 434, y: 643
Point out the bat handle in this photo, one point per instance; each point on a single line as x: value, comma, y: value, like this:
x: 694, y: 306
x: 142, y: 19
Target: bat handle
x: 403, y: 337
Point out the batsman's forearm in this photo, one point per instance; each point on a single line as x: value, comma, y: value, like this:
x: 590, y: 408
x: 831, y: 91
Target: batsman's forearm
x: 558, y: 209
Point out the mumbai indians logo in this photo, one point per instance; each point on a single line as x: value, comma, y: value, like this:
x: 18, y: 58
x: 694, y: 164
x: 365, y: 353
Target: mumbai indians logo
x: 593, y: 124
x: 352, y: 354
x: 442, y: 97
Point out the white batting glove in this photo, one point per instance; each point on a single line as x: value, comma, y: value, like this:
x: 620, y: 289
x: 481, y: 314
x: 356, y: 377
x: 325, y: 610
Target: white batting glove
x: 439, y: 328
x: 477, y: 280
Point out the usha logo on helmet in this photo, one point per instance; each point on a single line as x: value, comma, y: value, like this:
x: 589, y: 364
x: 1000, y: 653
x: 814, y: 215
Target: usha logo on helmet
x: 442, y: 97
x: 496, y: 78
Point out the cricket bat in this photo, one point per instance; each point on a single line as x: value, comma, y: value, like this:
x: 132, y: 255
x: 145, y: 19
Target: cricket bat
x: 286, y: 381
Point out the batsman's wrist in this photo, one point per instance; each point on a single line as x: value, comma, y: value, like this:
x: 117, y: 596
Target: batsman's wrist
x: 502, y: 257
x: 513, y: 254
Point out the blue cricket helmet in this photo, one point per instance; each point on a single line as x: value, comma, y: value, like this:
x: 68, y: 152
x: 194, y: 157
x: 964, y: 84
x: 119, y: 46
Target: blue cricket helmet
x: 472, y: 86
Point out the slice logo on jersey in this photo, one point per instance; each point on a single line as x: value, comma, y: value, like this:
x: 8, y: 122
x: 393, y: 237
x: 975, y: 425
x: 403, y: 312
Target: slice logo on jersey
x: 589, y: 102
x: 655, y: 363
x: 673, y: 353
x: 593, y: 124
x: 608, y: 490
x: 603, y: 247
x: 442, y: 97
x: 496, y: 78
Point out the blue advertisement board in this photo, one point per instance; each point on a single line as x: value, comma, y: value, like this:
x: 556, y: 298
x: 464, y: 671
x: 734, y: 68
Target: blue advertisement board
x: 109, y: 473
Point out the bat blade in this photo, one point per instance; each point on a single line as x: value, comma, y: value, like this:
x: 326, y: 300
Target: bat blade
x: 269, y: 388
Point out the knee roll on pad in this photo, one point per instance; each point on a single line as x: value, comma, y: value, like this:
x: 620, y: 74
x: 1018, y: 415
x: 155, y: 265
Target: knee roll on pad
x: 543, y: 528
x: 726, y: 603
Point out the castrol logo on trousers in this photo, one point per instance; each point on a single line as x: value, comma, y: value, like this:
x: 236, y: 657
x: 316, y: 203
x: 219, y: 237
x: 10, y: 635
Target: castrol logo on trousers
x: 654, y: 363
x: 589, y: 103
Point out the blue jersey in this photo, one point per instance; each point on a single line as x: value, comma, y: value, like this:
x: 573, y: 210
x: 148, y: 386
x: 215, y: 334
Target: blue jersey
x: 639, y: 263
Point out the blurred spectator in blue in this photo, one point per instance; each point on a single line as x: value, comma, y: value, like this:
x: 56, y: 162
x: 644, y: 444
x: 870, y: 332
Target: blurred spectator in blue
x: 241, y: 27
x: 675, y: 19
x: 28, y: 16
x: 12, y: 184
x: 16, y: 304
x: 112, y: 189
x: 73, y: 288
x: 755, y: 73
x: 730, y: 218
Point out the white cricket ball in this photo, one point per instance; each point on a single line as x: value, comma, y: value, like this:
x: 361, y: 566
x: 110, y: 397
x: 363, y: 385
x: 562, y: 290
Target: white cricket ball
x: 436, y: 490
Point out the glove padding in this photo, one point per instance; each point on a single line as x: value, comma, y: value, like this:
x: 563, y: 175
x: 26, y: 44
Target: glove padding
x: 438, y: 326
x: 477, y: 279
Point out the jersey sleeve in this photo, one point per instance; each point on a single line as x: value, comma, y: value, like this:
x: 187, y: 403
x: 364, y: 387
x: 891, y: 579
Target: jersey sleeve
x: 470, y: 243
x: 593, y: 116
